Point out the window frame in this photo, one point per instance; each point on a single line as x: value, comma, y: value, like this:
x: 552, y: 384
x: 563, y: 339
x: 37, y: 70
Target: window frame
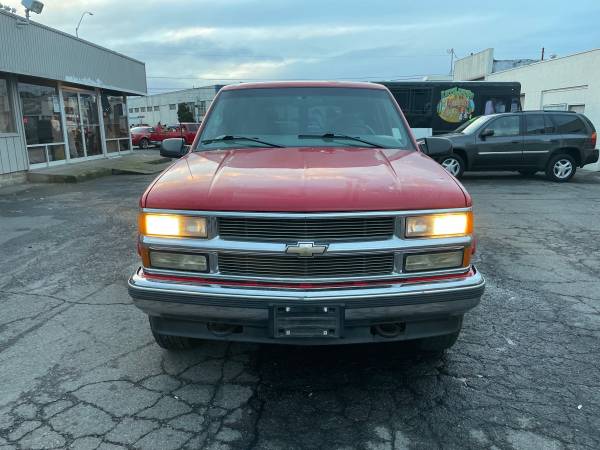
x: 122, y: 142
x: 11, y: 109
x: 544, y: 127
x: 574, y: 116
x: 491, y: 122
x: 46, y: 146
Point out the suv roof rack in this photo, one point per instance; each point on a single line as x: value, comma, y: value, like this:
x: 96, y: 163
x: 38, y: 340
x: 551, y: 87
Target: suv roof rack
x: 546, y: 111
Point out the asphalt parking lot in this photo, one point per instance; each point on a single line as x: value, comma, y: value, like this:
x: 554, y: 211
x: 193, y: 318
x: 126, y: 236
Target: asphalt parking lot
x: 79, y: 368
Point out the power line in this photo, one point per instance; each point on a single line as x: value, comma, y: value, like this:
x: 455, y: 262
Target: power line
x: 271, y: 57
x: 289, y: 79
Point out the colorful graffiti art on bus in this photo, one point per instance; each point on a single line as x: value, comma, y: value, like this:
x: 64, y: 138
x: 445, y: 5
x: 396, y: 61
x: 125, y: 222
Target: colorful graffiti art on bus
x: 456, y: 105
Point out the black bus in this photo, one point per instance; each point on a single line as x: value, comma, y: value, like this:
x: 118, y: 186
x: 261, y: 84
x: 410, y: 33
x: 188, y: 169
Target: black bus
x: 434, y: 107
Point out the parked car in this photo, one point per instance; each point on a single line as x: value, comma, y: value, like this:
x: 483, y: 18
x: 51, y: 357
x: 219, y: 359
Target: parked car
x: 141, y: 136
x: 187, y: 131
x: 556, y: 142
x: 305, y: 213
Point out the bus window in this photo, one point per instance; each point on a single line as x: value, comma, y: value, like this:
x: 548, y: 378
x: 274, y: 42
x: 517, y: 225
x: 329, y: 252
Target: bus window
x: 402, y: 96
x: 421, y: 101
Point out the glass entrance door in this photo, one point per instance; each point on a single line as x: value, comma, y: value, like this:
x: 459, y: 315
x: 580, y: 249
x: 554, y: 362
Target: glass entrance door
x: 73, y: 123
x: 83, y: 124
x: 90, y: 123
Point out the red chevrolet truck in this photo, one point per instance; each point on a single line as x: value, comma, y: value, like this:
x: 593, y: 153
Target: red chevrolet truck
x: 144, y: 136
x: 306, y: 213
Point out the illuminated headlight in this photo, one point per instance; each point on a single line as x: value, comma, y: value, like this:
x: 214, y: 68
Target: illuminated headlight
x: 172, y: 225
x: 433, y: 261
x: 439, y: 225
x: 179, y: 261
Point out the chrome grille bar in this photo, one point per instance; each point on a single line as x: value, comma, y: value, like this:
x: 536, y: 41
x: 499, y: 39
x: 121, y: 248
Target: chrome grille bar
x: 322, y: 229
x: 292, y: 267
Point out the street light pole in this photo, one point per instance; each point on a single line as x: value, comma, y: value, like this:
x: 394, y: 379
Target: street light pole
x: 80, y: 19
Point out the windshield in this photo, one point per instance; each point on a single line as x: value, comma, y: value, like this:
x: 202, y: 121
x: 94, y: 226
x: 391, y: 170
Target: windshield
x: 304, y: 117
x: 472, y: 125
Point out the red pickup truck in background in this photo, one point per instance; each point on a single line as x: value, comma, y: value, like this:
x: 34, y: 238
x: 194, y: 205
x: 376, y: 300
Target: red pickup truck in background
x: 143, y: 137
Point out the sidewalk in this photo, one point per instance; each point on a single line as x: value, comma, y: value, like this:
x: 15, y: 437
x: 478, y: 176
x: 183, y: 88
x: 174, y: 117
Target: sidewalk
x: 138, y: 162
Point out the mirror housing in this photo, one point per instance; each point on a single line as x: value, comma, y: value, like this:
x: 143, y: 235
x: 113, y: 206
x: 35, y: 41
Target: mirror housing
x: 173, y: 148
x: 486, y: 133
x: 435, y: 146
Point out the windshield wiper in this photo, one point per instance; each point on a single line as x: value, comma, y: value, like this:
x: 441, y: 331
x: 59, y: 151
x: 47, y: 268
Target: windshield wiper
x: 229, y: 137
x: 337, y: 136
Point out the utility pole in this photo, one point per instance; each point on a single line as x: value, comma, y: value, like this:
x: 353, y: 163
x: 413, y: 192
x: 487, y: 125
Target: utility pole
x: 450, y: 51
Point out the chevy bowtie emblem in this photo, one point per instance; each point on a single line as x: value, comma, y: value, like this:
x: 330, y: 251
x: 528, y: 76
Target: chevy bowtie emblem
x: 306, y: 249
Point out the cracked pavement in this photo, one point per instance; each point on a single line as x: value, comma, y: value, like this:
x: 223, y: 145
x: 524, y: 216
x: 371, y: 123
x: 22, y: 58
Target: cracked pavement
x: 79, y: 368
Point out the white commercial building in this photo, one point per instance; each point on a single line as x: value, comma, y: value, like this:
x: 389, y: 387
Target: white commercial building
x: 163, y: 107
x: 568, y: 83
x: 62, y: 99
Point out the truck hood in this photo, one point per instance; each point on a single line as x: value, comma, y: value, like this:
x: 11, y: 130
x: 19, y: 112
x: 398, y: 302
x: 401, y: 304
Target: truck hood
x: 305, y: 179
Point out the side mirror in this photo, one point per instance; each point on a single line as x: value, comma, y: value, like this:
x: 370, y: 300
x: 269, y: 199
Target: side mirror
x: 486, y: 133
x: 435, y: 146
x: 173, y: 148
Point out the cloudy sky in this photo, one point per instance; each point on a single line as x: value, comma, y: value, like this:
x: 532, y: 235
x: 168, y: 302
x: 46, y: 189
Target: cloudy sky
x: 197, y: 42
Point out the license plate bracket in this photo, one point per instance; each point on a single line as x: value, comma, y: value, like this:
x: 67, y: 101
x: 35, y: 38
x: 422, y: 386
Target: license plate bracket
x: 307, y: 321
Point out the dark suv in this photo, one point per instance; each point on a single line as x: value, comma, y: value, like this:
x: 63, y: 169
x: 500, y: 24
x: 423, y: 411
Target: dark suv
x: 556, y: 142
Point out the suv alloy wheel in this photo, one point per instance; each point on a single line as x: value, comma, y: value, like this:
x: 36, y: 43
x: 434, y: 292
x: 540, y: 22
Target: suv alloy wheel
x: 561, y: 168
x: 454, y: 165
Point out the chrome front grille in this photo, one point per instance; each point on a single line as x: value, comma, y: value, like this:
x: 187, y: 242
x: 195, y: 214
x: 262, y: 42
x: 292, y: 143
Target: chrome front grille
x: 274, y: 266
x: 293, y: 230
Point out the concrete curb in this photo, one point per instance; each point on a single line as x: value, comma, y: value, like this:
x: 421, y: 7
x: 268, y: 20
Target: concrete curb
x: 142, y: 164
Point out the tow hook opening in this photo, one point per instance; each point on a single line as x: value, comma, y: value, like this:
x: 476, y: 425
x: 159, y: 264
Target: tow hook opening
x: 388, y: 330
x: 223, y: 329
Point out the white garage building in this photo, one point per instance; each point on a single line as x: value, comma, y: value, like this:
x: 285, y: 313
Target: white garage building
x: 568, y: 83
x: 163, y: 107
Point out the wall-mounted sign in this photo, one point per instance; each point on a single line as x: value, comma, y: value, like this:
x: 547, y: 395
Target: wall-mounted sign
x: 456, y: 105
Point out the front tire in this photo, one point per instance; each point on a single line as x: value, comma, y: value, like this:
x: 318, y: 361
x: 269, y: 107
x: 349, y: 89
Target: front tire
x: 169, y: 342
x: 172, y: 342
x: 561, y: 168
x: 437, y: 344
x: 454, y: 165
x: 144, y: 144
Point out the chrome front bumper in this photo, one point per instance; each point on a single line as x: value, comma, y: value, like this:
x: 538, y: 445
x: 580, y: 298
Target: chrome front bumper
x: 433, y: 308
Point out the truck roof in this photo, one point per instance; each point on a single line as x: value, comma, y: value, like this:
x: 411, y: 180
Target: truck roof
x: 293, y: 84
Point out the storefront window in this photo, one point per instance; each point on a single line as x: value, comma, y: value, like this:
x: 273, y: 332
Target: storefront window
x: 116, y: 129
x: 7, y: 124
x: 41, y: 114
x: 41, y: 119
x: 56, y: 152
x: 37, y: 154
